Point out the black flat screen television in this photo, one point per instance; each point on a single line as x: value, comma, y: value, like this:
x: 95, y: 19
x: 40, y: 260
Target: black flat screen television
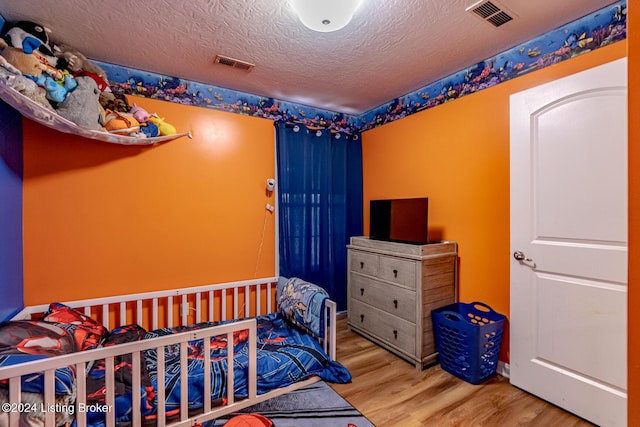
x: 400, y: 220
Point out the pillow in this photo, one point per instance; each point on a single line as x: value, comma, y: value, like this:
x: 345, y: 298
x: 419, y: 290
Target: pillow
x: 302, y: 303
x: 33, y: 337
x: 87, y: 332
x: 27, y: 340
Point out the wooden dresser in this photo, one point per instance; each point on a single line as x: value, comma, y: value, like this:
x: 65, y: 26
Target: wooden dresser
x: 392, y: 288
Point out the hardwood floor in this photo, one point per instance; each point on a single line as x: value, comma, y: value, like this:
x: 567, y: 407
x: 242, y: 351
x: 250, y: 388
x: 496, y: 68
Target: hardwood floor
x: 392, y: 393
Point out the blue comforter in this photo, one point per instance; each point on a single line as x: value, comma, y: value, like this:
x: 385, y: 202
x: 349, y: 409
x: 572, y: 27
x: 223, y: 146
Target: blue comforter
x: 285, y: 356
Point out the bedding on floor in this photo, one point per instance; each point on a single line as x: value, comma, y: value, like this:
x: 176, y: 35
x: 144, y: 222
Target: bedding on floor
x: 60, y: 331
x: 285, y: 356
x: 286, y: 353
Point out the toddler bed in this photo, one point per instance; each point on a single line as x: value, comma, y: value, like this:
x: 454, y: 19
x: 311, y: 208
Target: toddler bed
x: 64, y: 363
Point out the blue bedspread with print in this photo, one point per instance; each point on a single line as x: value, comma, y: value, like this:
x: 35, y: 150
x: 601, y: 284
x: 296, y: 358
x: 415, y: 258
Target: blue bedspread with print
x: 285, y: 355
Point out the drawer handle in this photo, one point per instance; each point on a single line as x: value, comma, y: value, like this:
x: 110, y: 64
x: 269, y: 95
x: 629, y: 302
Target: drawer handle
x: 361, y: 291
x: 395, y: 274
x: 395, y: 303
x: 395, y: 334
x: 361, y: 264
x: 362, y: 318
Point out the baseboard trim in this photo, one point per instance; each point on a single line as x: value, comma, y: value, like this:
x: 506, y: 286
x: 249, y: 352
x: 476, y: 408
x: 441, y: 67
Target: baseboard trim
x: 504, y: 369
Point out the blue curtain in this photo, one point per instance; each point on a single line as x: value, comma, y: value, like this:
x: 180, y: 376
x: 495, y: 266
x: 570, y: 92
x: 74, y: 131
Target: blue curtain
x: 320, y: 204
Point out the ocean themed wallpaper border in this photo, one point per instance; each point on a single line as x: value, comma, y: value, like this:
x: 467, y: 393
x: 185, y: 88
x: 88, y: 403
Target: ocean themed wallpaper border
x: 601, y: 28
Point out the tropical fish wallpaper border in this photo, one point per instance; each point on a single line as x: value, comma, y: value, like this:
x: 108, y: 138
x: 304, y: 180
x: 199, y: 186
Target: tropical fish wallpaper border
x: 172, y: 89
x: 601, y: 28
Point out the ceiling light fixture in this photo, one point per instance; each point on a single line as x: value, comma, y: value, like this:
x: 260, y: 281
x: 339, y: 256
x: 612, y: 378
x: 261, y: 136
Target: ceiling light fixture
x: 325, y: 15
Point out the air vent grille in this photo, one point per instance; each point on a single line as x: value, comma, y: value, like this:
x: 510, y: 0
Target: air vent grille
x: 499, y: 18
x: 490, y: 12
x: 487, y: 9
x: 234, y: 63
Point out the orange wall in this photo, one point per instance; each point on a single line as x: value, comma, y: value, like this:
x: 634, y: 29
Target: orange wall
x: 105, y: 219
x: 633, y: 29
x: 457, y: 154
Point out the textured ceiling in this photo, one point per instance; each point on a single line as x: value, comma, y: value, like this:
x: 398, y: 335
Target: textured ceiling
x: 390, y: 48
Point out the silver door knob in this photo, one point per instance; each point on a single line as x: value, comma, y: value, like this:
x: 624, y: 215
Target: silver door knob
x: 519, y: 255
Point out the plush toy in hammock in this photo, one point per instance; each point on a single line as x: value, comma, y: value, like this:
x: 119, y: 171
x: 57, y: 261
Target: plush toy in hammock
x: 121, y: 123
x: 30, y: 66
x: 31, y: 38
x: 27, y: 87
x: 164, y: 128
x: 16, y: 61
x: 82, y: 106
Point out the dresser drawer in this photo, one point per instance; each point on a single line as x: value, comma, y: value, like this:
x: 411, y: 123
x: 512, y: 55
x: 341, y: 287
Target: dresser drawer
x: 364, y: 263
x: 391, y: 329
x: 398, y: 270
x: 395, y: 300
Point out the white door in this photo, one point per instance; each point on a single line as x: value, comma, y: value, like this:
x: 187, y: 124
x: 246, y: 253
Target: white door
x: 568, y: 320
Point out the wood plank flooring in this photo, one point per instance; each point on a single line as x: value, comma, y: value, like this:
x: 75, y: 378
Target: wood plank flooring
x: 393, y: 393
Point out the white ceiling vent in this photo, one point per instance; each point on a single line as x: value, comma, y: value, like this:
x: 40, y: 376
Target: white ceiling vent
x: 491, y: 12
x: 234, y: 63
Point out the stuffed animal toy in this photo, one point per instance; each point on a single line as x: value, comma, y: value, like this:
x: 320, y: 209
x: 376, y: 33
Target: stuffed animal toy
x: 103, y: 85
x: 114, y: 102
x: 163, y: 127
x: 30, y: 66
x: 139, y: 113
x: 4, y: 64
x: 30, y: 37
x: 121, y: 123
x: 56, y: 92
x: 27, y: 87
x: 25, y: 63
x: 149, y: 129
x: 73, y: 60
x: 81, y: 106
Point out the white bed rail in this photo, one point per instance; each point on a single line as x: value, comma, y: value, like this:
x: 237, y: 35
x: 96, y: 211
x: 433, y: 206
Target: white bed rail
x: 208, y: 303
x: 329, y: 339
x: 189, y: 305
x: 15, y: 408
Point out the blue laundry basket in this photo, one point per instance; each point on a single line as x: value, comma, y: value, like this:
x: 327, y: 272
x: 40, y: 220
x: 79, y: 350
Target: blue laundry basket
x: 468, y: 338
